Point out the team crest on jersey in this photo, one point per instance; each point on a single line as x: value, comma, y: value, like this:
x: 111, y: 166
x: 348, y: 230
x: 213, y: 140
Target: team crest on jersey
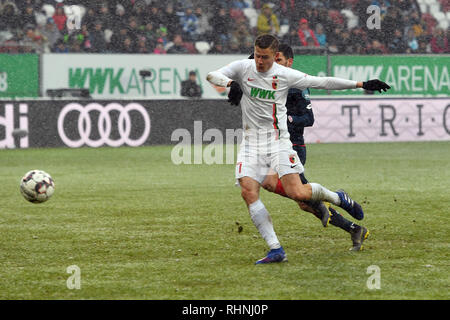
x: 275, y: 82
x: 292, y: 158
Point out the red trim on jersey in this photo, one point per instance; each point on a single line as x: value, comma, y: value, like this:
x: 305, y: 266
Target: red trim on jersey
x: 300, y: 145
x: 275, y: 119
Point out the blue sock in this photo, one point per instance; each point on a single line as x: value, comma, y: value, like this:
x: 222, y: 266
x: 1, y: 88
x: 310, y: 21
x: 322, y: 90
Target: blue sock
x: 338, y: 220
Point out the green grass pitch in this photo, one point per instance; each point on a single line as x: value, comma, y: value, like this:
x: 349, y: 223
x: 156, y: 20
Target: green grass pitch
x: 139, y: 227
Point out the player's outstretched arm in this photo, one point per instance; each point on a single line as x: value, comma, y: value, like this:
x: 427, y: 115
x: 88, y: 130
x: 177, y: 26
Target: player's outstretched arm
x: 375, y: 85
x: 333, y: 83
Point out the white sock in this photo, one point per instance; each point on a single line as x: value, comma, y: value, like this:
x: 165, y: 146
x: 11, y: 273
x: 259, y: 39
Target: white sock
x: 261, y: 220
x: 320, y: 193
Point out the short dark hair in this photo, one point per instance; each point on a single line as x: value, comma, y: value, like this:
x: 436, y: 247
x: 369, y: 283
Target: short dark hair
x: 286, y: 50
x: 265, y: 41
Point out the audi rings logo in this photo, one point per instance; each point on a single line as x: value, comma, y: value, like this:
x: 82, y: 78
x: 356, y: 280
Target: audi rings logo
x: 104, y: 125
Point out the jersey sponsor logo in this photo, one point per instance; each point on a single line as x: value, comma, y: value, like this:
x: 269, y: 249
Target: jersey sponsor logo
x: 262, y: 93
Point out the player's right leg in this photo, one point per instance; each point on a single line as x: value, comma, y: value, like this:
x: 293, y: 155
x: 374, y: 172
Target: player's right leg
x: 262, y: 221
x: 250, y: 172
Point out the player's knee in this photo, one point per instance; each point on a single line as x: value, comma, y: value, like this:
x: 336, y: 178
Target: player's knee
x: 297, y: 194
x: 249, y: 196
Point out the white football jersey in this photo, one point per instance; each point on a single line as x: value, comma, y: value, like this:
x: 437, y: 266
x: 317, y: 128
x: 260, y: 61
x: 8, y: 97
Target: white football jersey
x: 264, y: 94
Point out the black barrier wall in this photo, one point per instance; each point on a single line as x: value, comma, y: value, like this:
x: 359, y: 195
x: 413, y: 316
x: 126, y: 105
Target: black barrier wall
x: 63, y: 123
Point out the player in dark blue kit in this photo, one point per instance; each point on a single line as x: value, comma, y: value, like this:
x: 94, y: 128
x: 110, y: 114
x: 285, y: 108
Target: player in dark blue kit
x: 300, y: 115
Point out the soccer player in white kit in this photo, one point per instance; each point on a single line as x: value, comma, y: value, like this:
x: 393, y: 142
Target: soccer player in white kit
x: 266, y: 142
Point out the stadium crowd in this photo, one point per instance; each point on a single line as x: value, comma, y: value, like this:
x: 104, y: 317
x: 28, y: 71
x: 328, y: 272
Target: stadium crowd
x: 219, y: 27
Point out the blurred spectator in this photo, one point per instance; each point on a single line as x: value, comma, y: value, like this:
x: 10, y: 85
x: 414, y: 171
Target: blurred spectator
x: 391, y: 21
x: 376, y: 47
x: 222, y: 24
x: 345, y: 42
x: 234, y: 46
x: 189, y: 23
x: 397, y: 44
x: 90, y: 18
x: 267, y: 21
x: 117, y: 39
x: 128, y: 45
x: 142, y: 46
x: 163, y: 37
x: 9, y: 18
x: 190, y: 88
x: 33, y: 40
x: 28, y: 17
x: 155, y: 15
x: 159, y: 47
x: 320, y: 35
x: 97, y: 38
x: 217, y: 48
x: 105, y: 17
x: 242, y: 36
x: 60, y: 17
x: 76, y: 45
x: 291, y: 38
x: 413, y: 21
x: 51, y: 32
x: 439, y: 41
x: 133, y: 28
x: 304, y: 33
x: 358, y: 38
x: 203, y: 27
x: 424, y: 48
x: 141, y: 11
x: 61, y: 47
x: 171, y: 20
x: 85, y: 38
x: 177, y: 45
x: 411, y: 41
x: 149, y: 33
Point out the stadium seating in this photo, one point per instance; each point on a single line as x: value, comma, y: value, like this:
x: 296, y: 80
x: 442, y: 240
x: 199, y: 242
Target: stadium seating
x: 434, y: 14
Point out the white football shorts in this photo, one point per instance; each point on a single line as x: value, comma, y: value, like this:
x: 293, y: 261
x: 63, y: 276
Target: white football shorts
x: 256, y: 161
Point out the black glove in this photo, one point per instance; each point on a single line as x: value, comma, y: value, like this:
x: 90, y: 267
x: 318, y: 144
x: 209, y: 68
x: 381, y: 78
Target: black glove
x: 376, y: 85
x: 235, y: 94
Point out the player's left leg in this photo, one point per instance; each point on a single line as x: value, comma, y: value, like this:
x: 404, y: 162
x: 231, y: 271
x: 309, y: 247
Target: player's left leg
x: 287, y: 165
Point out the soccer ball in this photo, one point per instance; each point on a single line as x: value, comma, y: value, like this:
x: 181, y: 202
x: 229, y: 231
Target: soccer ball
x: 37, y: 186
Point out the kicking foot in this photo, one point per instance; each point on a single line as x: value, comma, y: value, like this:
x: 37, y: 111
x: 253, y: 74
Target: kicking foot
x: 274, y: 255
x: 349, y: 205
